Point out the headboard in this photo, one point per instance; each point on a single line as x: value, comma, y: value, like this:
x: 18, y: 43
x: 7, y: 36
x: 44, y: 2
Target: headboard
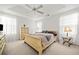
x: 52, y: 32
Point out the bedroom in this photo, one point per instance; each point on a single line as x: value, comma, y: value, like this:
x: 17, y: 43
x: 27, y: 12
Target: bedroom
x: 40, y: 18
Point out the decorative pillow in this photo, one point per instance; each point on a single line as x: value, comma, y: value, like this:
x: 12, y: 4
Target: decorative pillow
x: 48, y: 37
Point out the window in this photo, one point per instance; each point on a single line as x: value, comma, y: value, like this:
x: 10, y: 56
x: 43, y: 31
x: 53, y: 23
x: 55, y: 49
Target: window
x: 70, y: 21
x: 39, y: 26
x: 9, y: 25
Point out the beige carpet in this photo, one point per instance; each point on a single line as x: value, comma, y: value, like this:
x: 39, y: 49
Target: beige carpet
x: 18, y: 48
x: 59, y: 49
x: 21, y: 48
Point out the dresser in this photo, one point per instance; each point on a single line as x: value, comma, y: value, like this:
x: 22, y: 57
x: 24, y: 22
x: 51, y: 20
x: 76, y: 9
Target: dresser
x: 24, y: 30
x: 2, y: 43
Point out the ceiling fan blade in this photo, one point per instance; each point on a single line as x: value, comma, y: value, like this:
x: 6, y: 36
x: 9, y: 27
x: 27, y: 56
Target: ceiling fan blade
x: 40, y: 12
x: 43, y: 13
x: 29, y: 6
x: 39, y: 7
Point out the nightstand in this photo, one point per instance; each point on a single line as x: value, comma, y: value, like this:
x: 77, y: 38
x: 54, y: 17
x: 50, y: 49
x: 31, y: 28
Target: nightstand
x: 67, y: 40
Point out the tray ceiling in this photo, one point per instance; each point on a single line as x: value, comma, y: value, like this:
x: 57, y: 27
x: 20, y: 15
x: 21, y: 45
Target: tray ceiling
x: 25, y: 11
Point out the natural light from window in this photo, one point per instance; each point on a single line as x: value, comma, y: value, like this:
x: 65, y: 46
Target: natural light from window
x: 9, y: 25
x: 70, y: 21
x: 39, y: 26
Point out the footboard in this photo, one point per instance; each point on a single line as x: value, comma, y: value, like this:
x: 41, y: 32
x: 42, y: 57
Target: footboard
x: 35, y: 42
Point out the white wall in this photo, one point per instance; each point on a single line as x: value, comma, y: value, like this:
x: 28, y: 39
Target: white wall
x: 29, y: 23
x: 77, y: 36
x: 51, y: 23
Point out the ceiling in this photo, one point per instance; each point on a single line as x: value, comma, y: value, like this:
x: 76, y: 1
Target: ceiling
x: 24, y: 11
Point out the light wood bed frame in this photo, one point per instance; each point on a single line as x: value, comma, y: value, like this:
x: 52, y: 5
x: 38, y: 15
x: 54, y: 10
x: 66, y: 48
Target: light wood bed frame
x: 36, y: 43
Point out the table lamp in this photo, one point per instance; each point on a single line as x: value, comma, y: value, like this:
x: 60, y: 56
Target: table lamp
x: 67, y: 29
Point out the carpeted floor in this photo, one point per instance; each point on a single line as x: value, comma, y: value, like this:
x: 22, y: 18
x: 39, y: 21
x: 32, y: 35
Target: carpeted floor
x: 18, y: 48
x: 21, y: 48
x: 60, y: 49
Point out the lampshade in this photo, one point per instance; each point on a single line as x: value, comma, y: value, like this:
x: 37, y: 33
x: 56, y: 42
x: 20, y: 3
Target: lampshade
x: 67, y: 29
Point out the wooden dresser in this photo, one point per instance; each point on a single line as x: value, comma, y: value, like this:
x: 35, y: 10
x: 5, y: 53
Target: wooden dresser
x: 2, y: 43
x: 24, y: 30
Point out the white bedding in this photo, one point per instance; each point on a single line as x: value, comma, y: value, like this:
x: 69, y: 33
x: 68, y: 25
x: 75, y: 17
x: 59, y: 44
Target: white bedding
x: 46, y: 38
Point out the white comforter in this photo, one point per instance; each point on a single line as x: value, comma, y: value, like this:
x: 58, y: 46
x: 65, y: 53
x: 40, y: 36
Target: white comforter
x: 46, y: 38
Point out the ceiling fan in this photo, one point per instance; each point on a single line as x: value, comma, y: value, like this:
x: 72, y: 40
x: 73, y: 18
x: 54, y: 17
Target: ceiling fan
x: 37, y: 9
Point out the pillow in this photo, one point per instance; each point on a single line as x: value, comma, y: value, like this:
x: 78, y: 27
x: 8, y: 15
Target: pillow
x: 51, y: 32
x: 44, y: 31
x: 48, y: 37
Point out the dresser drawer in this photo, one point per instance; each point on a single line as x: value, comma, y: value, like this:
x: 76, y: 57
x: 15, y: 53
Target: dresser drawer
x: 1, y: 42
x: 1, y: 45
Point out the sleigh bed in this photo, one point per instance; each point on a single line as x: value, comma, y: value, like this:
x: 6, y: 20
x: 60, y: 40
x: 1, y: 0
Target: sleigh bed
x: 40, y: 41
